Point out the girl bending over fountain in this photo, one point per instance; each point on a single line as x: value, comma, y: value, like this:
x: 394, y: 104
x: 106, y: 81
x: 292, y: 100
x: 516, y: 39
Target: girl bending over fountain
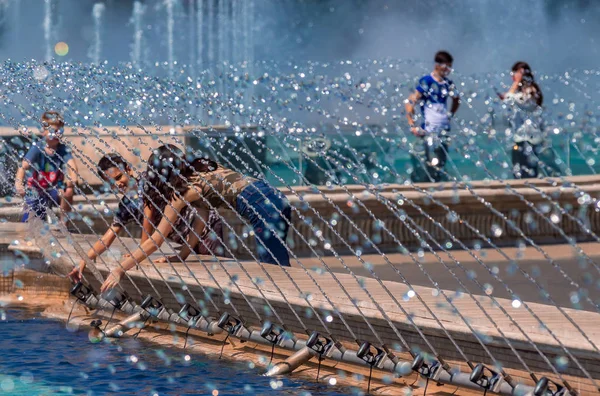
x: 136, y: 207
x: 524, y: 100
x: 204, y: 185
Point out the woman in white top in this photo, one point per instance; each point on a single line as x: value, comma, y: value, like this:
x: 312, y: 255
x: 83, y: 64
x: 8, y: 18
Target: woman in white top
x: 524, y: 103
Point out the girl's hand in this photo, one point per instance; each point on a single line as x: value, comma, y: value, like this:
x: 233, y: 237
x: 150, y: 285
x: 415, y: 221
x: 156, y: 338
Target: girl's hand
x: 112, y: 280
x: 518, y: 76
x: 75, y: 275
x: 169, y: 259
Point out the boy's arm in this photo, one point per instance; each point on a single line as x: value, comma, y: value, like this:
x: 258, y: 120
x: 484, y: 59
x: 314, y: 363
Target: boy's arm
x: 147, y: 227
x: 31, y: 157
x: 20, y: 178
x: 410, y: 107
x: 455, y: 104
x: 72, y: 172
x: 410, y: 112
x: 455, y: 95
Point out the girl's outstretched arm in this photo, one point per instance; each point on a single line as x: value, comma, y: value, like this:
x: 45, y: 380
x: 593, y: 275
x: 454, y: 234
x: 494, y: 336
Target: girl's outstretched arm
x: 193, y: 238
x: 148, y: 247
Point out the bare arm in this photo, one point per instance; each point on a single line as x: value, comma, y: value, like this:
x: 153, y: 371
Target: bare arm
x: 72, y: 172
x: 194, y: 236
x: 96, y: 250
x: 20, y: 178
x: 455, y: 104
x: 410, y: 107
x: 152, y: 244
x: 104, y: 243
x: 147, y: 227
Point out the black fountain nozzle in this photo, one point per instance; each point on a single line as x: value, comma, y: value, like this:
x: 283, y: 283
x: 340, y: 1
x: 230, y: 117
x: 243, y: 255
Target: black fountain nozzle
x: 427, y: 370
x: 547, y: 387
x: 319, y: 344
x: 365, y: 352
x: 95, y: 324
x: 372, y: 359
x: 96, y: 334
x: 151, y: 305
x: 81, y: 291
x: 486, y: 378
x: 271, y: 332
x: 228, y: 323
x: 189, y: 313
x: 116, y: 298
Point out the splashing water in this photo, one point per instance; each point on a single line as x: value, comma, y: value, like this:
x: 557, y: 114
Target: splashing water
x: 96, y: 50
x: 332, y: 136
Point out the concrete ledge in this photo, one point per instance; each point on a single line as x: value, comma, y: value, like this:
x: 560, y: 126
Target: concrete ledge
x: 474, y: 207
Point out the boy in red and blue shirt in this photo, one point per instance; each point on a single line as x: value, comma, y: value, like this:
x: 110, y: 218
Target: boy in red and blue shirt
x: 44, y: 168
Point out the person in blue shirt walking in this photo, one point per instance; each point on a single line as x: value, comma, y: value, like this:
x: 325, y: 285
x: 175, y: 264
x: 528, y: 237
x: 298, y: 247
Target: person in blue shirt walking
x: 44, y: 168
x: 431, y: 94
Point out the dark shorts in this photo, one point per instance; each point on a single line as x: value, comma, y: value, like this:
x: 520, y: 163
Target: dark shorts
x: 37, y: 203
x: 425, y: 169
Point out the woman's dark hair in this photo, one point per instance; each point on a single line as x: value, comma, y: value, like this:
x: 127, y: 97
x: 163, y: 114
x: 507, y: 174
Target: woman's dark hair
x: 169, y: 170
x: 528, y: 81
x: 113, y: 160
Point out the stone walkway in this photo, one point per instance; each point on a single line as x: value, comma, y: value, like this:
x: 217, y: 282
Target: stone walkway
x: 269, y: 292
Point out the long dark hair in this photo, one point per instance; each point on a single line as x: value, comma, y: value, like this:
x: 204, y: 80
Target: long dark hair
x: 529, y: 81
x: 169, y: 171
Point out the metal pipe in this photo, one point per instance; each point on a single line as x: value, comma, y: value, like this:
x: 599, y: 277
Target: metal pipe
x: 117, y: 330
x: 207, y: 325
x: 292, y: 363
x: 401, y: 368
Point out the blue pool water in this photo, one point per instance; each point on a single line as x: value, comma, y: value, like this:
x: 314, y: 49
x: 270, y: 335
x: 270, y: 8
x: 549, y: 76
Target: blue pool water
x: 39, y: 356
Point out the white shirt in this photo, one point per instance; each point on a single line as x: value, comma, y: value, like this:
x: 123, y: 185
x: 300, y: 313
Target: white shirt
x: 525, y: 118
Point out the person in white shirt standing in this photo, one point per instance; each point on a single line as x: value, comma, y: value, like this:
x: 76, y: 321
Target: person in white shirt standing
x: 431, y: 94
x: 523, y: 102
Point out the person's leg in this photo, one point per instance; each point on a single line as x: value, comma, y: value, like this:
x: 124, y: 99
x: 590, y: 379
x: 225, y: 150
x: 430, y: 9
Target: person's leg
x: 525, y: 161
x: 432, y: 161
x: 441, y: 155
x: 548, y: 160
x: 519, y: 160
x: 30, y: 207
x: 66, y: 203
x: 36, y: 204
x: 270, y: 227
x: 418, y: 159
x: 532, y: 162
